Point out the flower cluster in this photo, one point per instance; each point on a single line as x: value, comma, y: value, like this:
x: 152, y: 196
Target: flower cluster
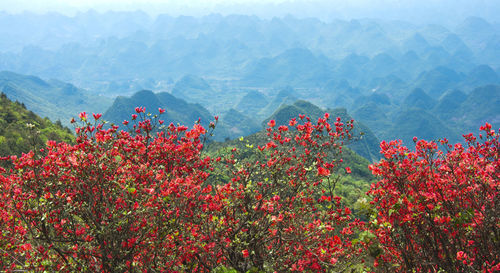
x: 147, y: 199
x: 152, y: 199
x: 439, y: 210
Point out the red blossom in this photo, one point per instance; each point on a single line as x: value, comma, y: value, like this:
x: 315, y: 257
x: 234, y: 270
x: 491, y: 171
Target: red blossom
x: 96, y: 116
x: 83, y: 116
x: 140, y: 110
x: 323, y: 171
x: 245, y: 253
x: 119, y: 201
x: 431, y: 202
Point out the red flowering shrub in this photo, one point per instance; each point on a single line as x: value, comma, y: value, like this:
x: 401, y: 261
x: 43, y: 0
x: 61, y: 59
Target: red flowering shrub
x: 439, y: 211
x: 142, y: 201
x: 279, y: 212
x: 112, y: 202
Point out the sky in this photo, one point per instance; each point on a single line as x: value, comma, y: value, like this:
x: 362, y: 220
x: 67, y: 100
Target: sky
x: 425, y: 10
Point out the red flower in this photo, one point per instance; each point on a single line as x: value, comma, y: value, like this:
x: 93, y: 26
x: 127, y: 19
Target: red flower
x: 461, y: 256
x: 245, y: 253
x: 97, y: 116
x: 323, y: 171
x: 83, y: 116
x: 347, y: 210
x: 128, y: 181
x: 271, y: 123
x: 424, y: 194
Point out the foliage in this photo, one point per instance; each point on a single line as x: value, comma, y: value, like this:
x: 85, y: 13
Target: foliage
x: 280, y: 211
x: 438, y: 211
x: 135, y: 201
x: 17, y: 125
x: 152, y: 199
x: 108, y: 203
x: 354, y: 184
x: 366, y: 143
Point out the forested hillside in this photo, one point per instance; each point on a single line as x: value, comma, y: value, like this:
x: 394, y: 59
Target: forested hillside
x: 21, y: 130
x: 54, y: 99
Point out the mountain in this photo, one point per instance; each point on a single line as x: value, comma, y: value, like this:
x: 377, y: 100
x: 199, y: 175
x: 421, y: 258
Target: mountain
x: 296, y: 66
x: 436, y: 81
x: 482, y: 75
x: 381, y: 65
x: 286, y: 95
x: 286, y: 112
x: 365, y: 143
x: 176, y: 110
x: 480, y: 106
x: 231, y: 125
x: 475, y: 30
x: 418, y: 99
x: 420, y: 123
x: 378, y: 98
x: 252, y: 102
x: 350, y: 67
x: 53, y: 99
x: 338, y: 94
x: 236, y: 124
x: 416, y: 43
x: 456, y: 46
x: 192, y: 88
x: 429, y: 117
x: 15, y: 136
x: 97, y: 50
x: 449, y: 104
x: 370, y: 67
x: 374, y: 115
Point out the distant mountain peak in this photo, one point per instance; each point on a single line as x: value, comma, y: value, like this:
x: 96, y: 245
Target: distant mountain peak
x: 419, y: 99
x: 177, y: 110
x: 192, y: 81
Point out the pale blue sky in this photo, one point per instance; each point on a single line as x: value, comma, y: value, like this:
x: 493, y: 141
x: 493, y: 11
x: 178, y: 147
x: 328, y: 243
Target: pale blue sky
x: 118, y: 4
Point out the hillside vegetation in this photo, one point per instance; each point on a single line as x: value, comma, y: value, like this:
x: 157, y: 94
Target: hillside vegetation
x: 21, y: 130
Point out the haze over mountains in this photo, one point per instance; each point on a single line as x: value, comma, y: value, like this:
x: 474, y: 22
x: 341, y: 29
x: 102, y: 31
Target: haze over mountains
x: 398, y: 79
x: 417, y: 11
